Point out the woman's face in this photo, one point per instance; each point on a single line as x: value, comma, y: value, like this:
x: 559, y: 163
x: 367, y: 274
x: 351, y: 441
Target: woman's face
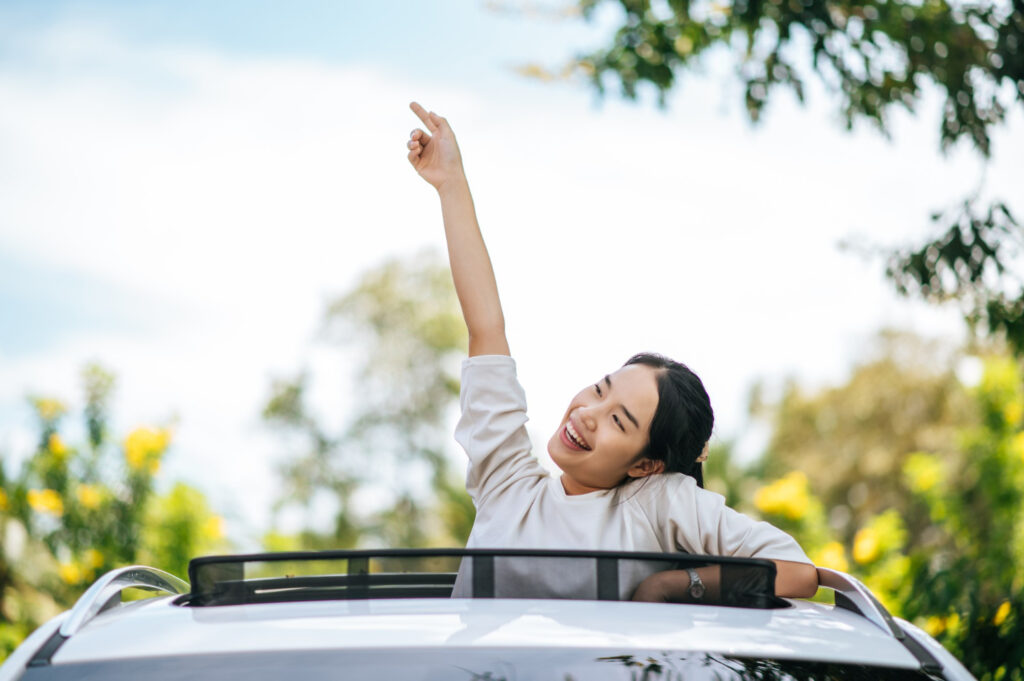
x: 604, y: 430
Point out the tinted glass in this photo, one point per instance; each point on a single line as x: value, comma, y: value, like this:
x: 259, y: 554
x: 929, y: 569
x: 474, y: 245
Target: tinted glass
x: 482, y: 573
x: 467, y: 665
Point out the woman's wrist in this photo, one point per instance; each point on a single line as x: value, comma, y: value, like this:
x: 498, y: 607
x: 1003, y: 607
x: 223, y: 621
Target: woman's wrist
x: 673, y: 586
x: 454, y: 187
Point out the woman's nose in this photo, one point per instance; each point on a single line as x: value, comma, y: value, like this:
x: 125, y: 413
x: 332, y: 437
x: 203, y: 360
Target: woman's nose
x: 587, y: 417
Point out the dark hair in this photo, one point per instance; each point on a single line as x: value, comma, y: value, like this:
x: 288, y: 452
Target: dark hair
x: 683, y: 419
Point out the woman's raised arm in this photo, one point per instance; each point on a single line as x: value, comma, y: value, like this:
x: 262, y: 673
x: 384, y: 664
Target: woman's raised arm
x: 435, y: 155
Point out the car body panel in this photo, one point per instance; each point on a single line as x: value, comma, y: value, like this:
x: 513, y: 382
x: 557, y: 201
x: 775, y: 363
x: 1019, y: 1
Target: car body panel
x: 804, y: 631
x: 14, y: 665
x: 952, y: 668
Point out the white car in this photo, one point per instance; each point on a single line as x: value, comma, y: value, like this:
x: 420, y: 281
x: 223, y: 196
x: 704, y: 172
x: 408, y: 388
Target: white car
x: 389, y: 615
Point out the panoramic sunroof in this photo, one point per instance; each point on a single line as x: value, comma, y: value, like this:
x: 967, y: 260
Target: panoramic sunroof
x: 465, y: 573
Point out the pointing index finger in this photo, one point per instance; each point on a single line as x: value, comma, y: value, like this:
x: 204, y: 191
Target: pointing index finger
x: 422, y: 114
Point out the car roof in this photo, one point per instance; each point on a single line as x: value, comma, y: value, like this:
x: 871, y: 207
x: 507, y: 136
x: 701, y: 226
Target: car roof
x: 802, y: 631
x: 304, y: 609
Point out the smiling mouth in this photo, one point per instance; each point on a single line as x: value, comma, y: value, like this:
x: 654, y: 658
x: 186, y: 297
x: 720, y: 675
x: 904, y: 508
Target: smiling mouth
x: 574, y: 438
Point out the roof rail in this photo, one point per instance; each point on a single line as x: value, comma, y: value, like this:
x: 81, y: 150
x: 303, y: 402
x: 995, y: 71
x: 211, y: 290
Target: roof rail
x: 852, y: 595
x: 101, y: 595
x: 104, y: 594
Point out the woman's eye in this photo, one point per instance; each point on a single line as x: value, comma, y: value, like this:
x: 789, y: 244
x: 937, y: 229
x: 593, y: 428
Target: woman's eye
x: 619, y: 423
x: 597, y: 387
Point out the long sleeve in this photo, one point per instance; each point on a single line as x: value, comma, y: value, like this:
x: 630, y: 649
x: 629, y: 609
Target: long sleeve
x: 492, y: 428
x: 698, y: 521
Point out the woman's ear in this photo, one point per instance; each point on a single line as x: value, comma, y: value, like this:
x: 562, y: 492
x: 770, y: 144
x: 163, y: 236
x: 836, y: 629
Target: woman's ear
x: 645, y: 467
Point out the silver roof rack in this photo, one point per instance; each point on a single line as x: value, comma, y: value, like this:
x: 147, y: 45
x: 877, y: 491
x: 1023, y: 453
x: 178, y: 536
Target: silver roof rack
x: 852, y: 595
x: 106, y: 592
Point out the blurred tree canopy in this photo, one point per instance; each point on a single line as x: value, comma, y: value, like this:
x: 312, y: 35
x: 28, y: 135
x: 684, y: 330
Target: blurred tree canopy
x: 402, y: 322
x: 75, y: 511
x: 936, y: 529
x: 852, y: 440
x: 871, y: 55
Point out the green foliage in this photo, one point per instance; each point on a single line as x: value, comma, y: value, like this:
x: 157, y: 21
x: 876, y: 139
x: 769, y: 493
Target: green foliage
x: 402, y: 318
x: 947, y: 555
x: 177, y: 527
x: 74, y: 512
x: 873, y: 54
x: 405, y: 317
x: 724, y: 476
x: 970, y: 263
x: 967, y: 577
x: 851, y: 440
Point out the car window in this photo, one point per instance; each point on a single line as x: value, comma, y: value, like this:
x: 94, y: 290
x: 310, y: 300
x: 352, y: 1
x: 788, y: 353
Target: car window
x: 468, y: 665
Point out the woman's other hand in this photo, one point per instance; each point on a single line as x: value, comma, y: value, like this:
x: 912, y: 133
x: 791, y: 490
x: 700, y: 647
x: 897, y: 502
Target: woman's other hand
x: 434, y: 153
x: 673, y: 586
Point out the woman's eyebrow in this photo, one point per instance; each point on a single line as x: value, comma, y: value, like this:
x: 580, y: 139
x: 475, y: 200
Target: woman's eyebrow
x: 608, y: 382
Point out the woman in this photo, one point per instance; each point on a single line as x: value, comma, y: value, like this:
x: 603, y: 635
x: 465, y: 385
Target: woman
x: 629, y: 447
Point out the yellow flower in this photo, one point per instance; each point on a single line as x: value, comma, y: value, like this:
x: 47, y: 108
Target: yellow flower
x: 143, y: 448
x: 46, y: 501
x: 935, y: 625
x: 212, y: 528
x: 1013, y: 411
x: 57, y: 446
x: 866, y: 545
x: 923, y: 472
x: 832, y: 555
x: 89, y: 496
x: 71, y: 573
x: 5, y: 501
x: 93, y: 558
x: 788, y: 496
x: 1018, y: 444
x: 48, y: 408
x: 1002, y: 613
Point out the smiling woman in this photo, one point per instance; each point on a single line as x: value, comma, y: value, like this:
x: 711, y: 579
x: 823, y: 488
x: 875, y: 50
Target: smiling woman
x: 605, y: 432
x: 629, y: 446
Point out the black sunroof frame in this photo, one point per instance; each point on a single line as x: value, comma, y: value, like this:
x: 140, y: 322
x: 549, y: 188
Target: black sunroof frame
x: 220, y: 580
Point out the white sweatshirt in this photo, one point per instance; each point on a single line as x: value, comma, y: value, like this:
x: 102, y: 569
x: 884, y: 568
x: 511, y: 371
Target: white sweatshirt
x: 519, y: 504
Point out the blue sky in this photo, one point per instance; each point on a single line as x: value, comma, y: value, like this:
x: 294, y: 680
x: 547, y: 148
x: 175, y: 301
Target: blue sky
x: 460, y: 40
x: 450, y: 39
x: 185, y: 184
x: 41, y: 303
x: 383, y: 34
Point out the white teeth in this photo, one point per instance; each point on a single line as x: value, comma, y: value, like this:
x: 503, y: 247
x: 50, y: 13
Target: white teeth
x: 574, y: 436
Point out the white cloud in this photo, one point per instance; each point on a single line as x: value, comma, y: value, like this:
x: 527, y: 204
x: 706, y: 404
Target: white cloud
x: 245, y: 191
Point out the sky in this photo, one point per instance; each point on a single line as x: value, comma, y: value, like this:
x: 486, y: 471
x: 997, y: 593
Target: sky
x: 184, y: 185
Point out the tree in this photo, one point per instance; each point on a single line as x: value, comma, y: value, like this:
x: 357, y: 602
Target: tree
x: 852, y: 440
x: 945, y: 552
x: 872, y: 55
x: 403, y: 320
x: 74, y: 512
x: 965, y: 574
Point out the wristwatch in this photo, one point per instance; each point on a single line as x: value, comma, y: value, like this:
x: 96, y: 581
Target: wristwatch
x: 696, y: 585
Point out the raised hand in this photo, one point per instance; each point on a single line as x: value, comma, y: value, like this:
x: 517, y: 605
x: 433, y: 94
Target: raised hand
x: 434, y: 155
